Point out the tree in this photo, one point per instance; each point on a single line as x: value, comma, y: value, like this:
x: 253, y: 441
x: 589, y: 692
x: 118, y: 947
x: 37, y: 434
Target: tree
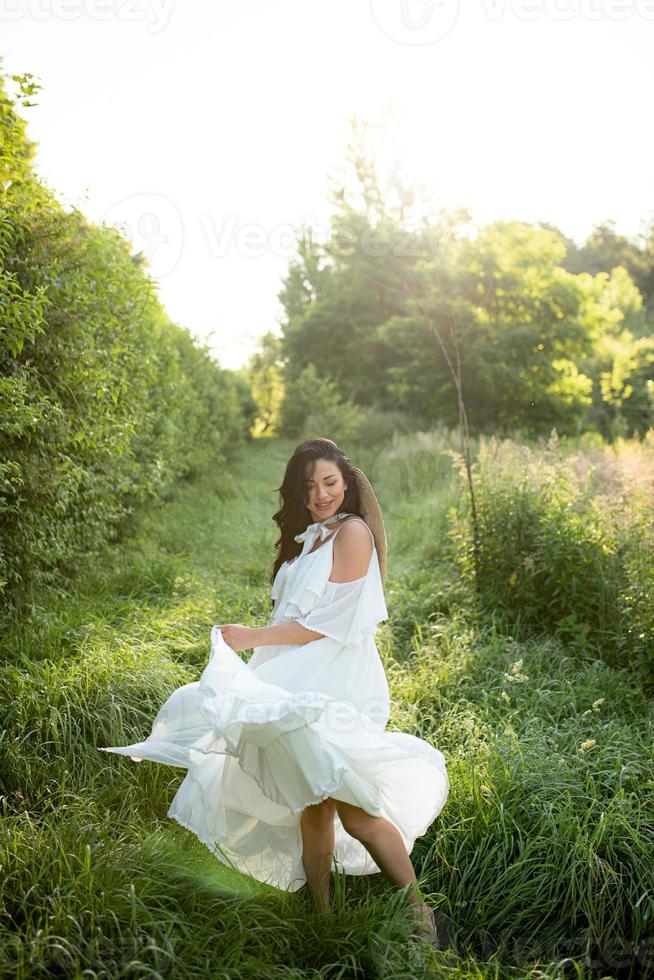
x: 264, y: 372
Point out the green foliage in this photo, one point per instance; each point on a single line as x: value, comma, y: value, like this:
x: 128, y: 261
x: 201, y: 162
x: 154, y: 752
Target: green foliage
x: 380, y: 426
x: 624, y: 401
x: 541, y: 854
x: 558, y: 555
x: 530, y: 328
x: 104, y: 403
x: 544, y: 334
x: 604, y: 249
x: 264, y: 375
x: 313, y: 406
x: 637, y: 595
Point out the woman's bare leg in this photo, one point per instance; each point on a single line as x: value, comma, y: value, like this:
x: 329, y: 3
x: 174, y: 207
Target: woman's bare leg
x: 384, y: 843
x: 317, y: 826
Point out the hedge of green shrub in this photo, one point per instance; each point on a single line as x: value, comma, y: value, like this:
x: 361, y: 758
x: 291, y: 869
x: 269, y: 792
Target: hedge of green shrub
x: 104, y: 402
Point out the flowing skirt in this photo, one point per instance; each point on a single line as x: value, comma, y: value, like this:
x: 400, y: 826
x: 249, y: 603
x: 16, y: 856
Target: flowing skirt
x: 262, y: 743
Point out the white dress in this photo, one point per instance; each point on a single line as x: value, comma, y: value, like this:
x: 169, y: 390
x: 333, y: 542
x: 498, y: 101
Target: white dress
x: 262, y: 740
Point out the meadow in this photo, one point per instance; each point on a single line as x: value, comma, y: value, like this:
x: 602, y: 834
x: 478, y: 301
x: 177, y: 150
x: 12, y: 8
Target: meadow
x: 527, y: 660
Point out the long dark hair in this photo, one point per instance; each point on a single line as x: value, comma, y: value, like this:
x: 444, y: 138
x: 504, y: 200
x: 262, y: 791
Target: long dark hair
x: 294, y: 516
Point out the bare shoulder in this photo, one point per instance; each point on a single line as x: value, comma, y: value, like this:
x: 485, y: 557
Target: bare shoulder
x: 352, y: 550
x: 355, y: 529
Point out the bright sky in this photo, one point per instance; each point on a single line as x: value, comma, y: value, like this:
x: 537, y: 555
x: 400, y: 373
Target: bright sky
x: 208, y: 130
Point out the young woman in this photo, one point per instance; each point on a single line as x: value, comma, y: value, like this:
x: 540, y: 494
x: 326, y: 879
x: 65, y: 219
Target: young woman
x: 289, y: 767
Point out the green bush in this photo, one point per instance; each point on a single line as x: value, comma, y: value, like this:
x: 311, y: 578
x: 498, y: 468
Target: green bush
x: 637, y: 595
x: 104, y: 402
x: 312, y: 406
x: 555, y: 554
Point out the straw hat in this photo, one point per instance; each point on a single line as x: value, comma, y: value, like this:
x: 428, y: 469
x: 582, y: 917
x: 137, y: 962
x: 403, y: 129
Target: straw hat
x: 372, y: 515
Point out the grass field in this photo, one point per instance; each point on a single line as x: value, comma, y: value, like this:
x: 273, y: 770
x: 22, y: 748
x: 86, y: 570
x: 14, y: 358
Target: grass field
x: 542, y: 856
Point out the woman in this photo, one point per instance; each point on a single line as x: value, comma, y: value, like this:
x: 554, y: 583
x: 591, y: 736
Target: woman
x: 289, y: 766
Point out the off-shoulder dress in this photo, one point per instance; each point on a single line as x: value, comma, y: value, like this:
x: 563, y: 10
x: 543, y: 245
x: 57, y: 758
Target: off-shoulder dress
x: 262, y: 739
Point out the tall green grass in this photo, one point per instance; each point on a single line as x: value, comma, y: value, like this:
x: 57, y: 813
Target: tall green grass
x: 542, y: 855
x: 566, y: 539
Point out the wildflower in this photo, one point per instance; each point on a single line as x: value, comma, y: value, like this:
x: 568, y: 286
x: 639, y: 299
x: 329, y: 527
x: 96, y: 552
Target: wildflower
x: 513, y: 578
x: 515, y: 675
x: 505, y: 697
x: 586, y: 745
x: 597, y: 703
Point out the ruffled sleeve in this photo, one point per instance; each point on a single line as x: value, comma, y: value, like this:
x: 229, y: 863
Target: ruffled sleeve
x: 304, y: 582
x: 348, y: 611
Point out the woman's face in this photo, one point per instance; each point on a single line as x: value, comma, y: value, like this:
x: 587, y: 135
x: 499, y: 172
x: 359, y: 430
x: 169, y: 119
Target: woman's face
x: 326, y: 489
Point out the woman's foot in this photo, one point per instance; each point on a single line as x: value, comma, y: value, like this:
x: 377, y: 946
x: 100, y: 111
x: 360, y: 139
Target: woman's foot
x: 318, y: 903
x: 425, y: 926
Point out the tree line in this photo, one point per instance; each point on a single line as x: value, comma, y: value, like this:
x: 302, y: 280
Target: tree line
x: 544, y: 333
